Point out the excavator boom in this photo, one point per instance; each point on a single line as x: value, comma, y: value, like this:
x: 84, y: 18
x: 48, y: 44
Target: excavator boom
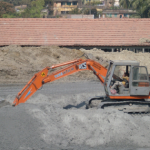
x: 43, y: 77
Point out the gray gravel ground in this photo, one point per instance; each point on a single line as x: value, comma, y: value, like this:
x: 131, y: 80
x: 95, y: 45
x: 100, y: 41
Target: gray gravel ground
x: 42, y: 123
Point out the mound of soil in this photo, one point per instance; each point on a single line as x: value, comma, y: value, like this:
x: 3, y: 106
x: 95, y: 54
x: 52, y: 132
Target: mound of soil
x: 19, y: 64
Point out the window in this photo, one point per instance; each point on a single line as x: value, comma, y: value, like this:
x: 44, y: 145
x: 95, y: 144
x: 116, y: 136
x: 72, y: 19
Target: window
x: 63, y: 12
x: 68, y: 3
x: 147, y: 50
x: 63, y: 3
x: 140, y: 77
x: 109, y: 15
x: 115, y: 15
x: 139, y: 73
x: 126, y: 15
x: 74, y: 3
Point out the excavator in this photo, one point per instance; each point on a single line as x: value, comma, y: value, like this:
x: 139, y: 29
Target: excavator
x: 129, y: 98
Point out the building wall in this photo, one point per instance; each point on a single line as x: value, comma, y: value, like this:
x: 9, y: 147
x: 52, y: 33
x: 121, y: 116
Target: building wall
x: 108, y: 13
x: 64, y: 7
x: 116, y: 15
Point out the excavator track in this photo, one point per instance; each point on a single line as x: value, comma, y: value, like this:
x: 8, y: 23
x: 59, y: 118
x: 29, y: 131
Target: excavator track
x: 127, y: 106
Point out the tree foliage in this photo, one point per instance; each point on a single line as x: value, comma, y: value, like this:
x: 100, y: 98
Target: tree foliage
x: 34, y: 11
x: 93, y: 3
x: 125, y: 3
x: 92, y: 11
x: 49, y: 4
x: 6, y: 8
x: 14, y: 2
x: 75, y: 11
x: 142, y: 7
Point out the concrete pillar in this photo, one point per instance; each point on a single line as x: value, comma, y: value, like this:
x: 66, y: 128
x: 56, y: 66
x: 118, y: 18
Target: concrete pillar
x: 112, y: 50
x: 134, y: 50
x: 143, y: 50
x: 120, y: 49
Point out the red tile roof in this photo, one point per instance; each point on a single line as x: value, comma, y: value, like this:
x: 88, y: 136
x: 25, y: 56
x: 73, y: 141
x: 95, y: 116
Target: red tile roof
x: 69, y: 32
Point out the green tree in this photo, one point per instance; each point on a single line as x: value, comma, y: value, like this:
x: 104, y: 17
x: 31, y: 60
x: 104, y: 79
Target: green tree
x: 6, y: 8
x: 86, y: 11
x: 14, y: 2
x: 125, y: 3
x: 34, y: 11
x: 93, y: 3
x: 75, y: 11
x: 26, y: 2
x: 49, y: 4
x: 142, y: 8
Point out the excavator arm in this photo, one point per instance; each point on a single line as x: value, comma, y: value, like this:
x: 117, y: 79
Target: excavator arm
x: 71, y: 67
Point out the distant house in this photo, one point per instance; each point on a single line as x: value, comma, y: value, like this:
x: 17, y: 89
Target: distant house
x: 118, y: 13
x: 20, y: 8
x: 64, y: 6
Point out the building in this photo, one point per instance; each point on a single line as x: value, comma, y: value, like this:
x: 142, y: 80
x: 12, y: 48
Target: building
x: 117, y: 13
x: 108, y: 34
x: 20, y: 8
x: 64, y: 6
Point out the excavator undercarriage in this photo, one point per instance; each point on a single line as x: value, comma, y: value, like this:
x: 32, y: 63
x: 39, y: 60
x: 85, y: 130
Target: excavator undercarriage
x: 127, y: 106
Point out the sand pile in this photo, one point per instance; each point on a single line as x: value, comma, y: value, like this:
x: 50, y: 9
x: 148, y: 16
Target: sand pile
x: 19, y: 64
x: 104, y: 57
x: 36, y: 125
x: 62, y: 122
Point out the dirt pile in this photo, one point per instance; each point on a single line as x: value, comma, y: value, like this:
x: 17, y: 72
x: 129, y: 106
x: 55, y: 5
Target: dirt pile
x: 19, y: 64
x: 61, y: 120
x: 43, y: 121
x: 104, y: 57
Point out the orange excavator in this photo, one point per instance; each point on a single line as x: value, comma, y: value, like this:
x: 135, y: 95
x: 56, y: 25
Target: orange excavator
x: 131, y: 97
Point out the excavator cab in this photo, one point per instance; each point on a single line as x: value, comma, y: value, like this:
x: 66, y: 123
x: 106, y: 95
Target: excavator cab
x: 137, y: 83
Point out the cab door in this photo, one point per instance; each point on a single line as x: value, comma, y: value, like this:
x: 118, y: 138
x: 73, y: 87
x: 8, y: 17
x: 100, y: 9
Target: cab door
x: 139, y: 81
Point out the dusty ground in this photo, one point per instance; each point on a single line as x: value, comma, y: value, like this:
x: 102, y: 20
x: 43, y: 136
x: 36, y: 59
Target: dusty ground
x: 44, y: 123
x: 59, y: 120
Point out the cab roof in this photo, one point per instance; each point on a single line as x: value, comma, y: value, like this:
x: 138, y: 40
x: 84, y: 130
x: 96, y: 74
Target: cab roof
x: 125, y: 62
